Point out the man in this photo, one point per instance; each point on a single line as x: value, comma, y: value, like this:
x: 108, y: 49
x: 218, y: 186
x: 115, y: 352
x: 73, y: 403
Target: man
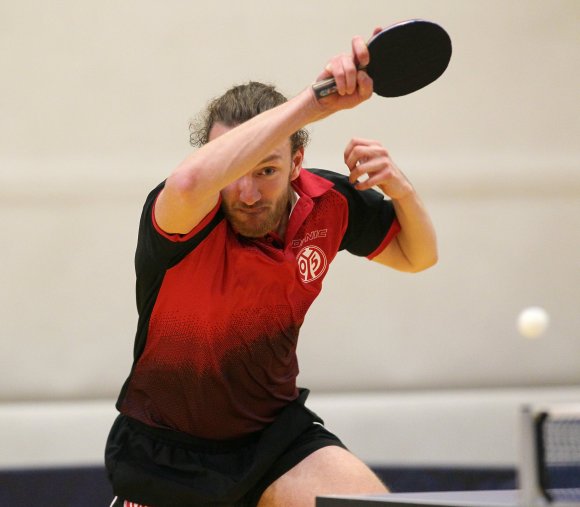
x: 232, y: 250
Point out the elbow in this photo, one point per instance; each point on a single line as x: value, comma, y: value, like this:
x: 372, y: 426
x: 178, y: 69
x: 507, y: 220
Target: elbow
x: 187, y: 185
x: 181, y: 182
x: 424, y: 263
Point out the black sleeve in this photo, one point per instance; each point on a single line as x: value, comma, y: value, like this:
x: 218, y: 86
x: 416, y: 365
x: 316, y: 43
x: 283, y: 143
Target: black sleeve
x: 157, y: 251
x: 371, y: 216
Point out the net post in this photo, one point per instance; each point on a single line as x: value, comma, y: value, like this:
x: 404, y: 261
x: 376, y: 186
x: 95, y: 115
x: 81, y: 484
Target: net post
x: 528, y: 469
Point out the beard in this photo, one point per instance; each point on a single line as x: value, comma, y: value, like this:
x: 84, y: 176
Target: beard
x: 259, y: 219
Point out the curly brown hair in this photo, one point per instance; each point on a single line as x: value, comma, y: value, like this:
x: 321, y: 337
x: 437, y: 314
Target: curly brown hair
x: 237, y: 105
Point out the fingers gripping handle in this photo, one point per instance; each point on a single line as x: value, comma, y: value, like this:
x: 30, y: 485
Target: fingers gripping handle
x: 327, y: 87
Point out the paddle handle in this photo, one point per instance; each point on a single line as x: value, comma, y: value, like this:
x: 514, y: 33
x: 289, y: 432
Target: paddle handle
x: 324, y: 88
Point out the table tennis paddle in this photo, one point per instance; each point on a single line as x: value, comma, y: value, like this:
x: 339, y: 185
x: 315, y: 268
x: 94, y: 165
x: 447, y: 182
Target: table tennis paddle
x: 404, y: 58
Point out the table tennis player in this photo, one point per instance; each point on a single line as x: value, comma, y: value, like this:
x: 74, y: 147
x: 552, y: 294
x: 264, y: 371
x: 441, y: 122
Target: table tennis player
x: 232, y: 250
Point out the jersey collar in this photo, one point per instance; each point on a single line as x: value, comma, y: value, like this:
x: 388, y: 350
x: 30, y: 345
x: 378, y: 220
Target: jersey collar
x: 310, y: 184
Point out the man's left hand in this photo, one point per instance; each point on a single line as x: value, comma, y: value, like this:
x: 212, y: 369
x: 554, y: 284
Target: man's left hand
x: 371, y: 158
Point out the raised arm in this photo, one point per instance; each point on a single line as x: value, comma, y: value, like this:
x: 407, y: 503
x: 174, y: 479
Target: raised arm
x: 193, y: 188
x: 415, y: 247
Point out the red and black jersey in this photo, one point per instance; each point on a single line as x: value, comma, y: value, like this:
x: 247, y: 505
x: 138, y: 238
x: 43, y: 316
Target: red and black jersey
x: 219, y: 313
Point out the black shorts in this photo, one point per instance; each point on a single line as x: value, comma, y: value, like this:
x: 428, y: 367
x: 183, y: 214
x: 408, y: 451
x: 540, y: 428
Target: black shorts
x: 162, y: 468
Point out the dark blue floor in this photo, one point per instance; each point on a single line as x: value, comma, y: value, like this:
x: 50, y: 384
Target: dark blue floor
x: 55, y: 487
x: 88, y: 487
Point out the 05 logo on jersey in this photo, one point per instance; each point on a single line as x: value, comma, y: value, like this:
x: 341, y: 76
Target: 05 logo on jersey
x: 312, y: 263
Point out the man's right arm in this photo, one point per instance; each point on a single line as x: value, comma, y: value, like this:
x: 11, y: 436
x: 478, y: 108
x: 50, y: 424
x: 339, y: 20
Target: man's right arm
x: 192, y: 190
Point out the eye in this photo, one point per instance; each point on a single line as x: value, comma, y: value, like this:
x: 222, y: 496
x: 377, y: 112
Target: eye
x: 268, y: 171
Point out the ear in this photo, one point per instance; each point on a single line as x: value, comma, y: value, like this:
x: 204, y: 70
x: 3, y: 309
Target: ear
x: 297, y: 159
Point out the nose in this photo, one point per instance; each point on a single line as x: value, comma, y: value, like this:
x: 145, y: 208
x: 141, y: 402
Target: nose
x: 248, y: 190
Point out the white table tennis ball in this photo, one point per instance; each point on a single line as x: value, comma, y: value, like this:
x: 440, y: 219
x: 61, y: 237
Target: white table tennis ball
x: 533, y: 322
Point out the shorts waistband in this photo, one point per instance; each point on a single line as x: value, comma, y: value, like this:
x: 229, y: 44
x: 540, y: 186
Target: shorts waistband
x: 191, y: 441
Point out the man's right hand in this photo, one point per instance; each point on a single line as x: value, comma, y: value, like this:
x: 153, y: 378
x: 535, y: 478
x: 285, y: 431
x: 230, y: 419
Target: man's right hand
x: 354, y: 86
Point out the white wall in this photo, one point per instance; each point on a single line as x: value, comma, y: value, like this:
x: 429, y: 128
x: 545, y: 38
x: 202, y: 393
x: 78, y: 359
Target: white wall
x: 95, y: 99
